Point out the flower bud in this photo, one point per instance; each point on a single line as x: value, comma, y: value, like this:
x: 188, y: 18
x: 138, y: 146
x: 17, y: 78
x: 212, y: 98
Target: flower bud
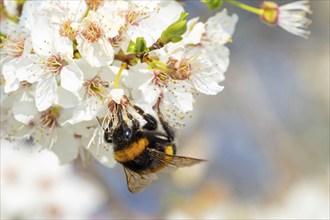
x: 270, y: 12
x: 174, y: 32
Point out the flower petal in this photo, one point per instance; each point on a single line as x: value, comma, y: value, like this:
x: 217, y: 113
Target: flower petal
x: 72, y: 78
x: 221, y: 27
x: 11, y: 81
x: 45, y: 93
x: 117, y: 94
x: 29, y: 69
x: 42, y: 37
x: 97, y: 54
x: 101, y: 151
x: 66, y: 147
x: 182, y: 100
x: 65, y: 98
x: 85, y: 111
x: 24, y: 111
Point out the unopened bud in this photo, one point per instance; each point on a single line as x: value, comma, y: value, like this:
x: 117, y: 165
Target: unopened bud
x: 270, y: 12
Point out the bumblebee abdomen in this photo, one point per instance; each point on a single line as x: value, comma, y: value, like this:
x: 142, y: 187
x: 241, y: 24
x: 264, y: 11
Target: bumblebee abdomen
x: 167, y: 157
x: 148, y: 162
x: 131, y: 152
x: 170, y: 150
x: 141, y: 163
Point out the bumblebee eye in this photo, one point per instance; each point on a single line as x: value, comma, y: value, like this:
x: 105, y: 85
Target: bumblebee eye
x: 127, y: 133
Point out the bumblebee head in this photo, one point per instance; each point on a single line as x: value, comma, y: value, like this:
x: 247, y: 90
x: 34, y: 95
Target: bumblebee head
x: 124, y: 135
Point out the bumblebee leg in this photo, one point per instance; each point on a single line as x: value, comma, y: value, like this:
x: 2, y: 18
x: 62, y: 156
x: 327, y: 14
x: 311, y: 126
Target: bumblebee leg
x: 157, y: 137
x: 136, y: 123
x: 151, y: 121
x: 165, y: 125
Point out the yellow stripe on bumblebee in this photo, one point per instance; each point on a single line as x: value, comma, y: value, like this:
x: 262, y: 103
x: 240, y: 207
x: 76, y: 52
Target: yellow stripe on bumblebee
x: 133, y: 151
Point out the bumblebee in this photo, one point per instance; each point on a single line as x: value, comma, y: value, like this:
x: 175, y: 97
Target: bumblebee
x: 144, y: 151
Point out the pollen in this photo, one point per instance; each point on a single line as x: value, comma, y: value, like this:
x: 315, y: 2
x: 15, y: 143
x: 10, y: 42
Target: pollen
x: 92, y: 32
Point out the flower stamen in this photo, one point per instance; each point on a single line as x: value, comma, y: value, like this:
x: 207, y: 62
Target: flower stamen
x: 95, y: 87
x: 66, y: 30
x: 49, y: 117
x: 119, y: 38
x: 92, y: 32
x: 135, y: 14
x: 13, y: 45
x: 180, y: 69
x: 54, y: 64
x: 160, y: 79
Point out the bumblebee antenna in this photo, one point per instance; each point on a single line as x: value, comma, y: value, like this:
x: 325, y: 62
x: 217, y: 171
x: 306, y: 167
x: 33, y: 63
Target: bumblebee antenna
x: 119, y: 114
x: 98, y: 119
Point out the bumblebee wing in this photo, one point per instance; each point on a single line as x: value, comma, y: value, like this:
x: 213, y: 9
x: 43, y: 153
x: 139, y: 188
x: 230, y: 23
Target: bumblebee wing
x: 138, y: 181
x: 169, y: 162
x: 180, y: 161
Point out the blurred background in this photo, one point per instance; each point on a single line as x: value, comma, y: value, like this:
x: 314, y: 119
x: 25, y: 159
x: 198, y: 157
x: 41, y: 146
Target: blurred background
x: 266, y: 137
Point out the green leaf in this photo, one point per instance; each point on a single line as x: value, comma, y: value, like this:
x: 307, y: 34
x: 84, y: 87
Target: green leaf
x: 213, y: 4
x: 174, y: 32
x: 139, y: 46
x: 131, y: 47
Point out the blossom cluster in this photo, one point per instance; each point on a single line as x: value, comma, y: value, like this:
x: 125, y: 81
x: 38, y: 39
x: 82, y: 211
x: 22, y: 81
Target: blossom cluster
x: 65, y: 63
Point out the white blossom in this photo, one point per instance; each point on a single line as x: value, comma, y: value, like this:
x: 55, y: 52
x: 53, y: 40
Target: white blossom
x: 91, y: 85
x: 291, y: 17
x: 65, y: 66
x: 220, y: 28
x: 45, y: 72
x: 149, y: 18
x: 92, y: 39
